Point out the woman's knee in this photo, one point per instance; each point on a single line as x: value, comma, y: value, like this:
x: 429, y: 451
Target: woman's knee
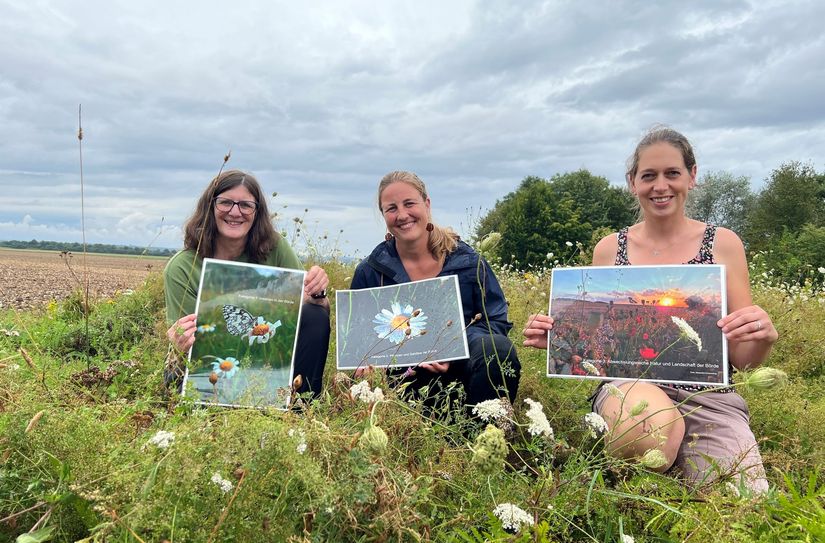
x: 640, y: 419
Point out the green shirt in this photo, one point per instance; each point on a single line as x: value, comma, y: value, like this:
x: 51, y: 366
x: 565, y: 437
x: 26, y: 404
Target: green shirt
x: 182, y: 276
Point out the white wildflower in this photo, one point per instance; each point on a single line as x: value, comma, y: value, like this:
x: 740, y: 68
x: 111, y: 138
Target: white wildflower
x: 361, y: 391
x: 628, y: 539
x: 590, y: 368
x: 688, y: 332
x: 549, y: 256
x: 820, y: 269
x: 222, y: 483
x: 538, y: 421
x: 596, y: 424
x: 301, y: 448
x: 162, y: 439
x: 568, y: 243
x: 614, y: 391
x: 512, y: 517
x: 490, y: 410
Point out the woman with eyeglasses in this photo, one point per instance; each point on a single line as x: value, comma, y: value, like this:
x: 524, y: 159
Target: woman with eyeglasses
x: 231, y: 222
x: 416, y: 249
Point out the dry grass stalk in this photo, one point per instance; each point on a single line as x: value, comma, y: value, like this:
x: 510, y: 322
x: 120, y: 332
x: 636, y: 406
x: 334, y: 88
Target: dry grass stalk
x: 28, y: 359
x: 35, y: 419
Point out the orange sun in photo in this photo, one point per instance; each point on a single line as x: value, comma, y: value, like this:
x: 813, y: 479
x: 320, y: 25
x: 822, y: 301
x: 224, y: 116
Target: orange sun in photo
x: 667, y: 301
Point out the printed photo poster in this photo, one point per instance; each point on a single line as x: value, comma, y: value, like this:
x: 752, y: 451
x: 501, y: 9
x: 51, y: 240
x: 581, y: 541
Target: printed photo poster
x: 400, y: 325
x: 247, y: 316
x: 651, y: 323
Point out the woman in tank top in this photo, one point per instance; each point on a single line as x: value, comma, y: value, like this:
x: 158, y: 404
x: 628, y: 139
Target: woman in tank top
x: 703, y: 434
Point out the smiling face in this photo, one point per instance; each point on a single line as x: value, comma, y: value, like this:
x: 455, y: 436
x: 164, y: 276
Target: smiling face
x: 405, y: 211
x: 662, y: 181
x: 233, y: 225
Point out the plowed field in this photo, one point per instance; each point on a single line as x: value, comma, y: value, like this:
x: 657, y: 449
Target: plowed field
x: 31, y: 278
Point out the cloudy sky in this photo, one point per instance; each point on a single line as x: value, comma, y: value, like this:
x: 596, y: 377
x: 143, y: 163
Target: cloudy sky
x: 320, y: 99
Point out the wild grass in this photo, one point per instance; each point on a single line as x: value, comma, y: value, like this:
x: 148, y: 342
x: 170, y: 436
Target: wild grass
x: 78, y: 461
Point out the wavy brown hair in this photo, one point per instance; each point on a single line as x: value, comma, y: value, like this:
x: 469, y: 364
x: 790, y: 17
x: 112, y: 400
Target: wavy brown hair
x: 442, y: 241
x: 201, y: 230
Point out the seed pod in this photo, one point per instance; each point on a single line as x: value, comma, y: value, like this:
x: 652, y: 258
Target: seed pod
x: 639, y: 408
x: 297, y: 382
x: 653, y: 458
x: 213, y: 377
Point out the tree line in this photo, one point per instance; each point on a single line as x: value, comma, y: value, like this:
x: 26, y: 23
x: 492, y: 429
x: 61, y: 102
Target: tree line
x: 75, y: 247
x: 566, y: 216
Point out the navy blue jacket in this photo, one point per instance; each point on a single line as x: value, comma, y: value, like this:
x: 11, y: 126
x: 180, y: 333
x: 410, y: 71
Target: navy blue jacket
x: 475, y: 280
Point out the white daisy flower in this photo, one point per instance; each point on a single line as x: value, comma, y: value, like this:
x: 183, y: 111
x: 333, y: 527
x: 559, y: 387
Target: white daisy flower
x: 400, y: 323
x: 225, y: 367
x: 262, y: 331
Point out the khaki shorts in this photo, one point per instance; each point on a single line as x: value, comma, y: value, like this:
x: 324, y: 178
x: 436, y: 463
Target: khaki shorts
x: 718, y: 439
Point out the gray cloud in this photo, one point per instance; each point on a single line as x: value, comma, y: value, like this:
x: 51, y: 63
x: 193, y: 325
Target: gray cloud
x: 320, y: 101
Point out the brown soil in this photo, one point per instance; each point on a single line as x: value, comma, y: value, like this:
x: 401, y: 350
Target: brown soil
x: 31, y: 278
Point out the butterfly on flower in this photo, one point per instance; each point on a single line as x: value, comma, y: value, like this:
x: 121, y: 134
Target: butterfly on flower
x: 240, y: 322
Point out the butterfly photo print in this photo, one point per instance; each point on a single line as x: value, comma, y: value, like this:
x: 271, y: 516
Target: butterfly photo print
x: 247, y: 317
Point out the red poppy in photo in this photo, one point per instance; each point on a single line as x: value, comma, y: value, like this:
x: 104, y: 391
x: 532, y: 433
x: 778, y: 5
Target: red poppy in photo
x: 648, y: 353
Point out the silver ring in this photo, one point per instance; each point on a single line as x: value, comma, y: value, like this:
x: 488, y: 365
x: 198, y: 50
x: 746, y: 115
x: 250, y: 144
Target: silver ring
x: 758, y: 325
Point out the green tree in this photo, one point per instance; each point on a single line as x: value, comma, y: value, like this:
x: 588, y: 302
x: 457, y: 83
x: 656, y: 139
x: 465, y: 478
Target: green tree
x: 793, y: 197
x: 541, y: 216
x: 722, y: 199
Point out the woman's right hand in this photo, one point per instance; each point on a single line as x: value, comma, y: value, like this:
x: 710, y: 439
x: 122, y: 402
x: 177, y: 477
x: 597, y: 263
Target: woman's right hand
x: 536, y: 331
x: 182, y: 333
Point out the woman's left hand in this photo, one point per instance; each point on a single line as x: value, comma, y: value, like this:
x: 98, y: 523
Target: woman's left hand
x: 749, y: 323
x: 435, y: 367
x: 316, y: 282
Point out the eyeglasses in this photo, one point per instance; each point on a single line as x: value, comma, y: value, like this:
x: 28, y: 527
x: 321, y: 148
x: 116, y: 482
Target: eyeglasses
x: 246, y: 207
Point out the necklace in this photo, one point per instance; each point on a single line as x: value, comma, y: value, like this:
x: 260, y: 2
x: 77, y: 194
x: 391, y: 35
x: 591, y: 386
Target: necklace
x: 657, y: 252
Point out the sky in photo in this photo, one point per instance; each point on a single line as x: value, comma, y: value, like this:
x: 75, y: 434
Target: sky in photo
x: 321, y: 99
x: 658, y: 285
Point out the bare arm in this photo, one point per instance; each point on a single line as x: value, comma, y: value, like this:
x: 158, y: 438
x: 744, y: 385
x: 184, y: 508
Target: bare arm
x: 747, y: 327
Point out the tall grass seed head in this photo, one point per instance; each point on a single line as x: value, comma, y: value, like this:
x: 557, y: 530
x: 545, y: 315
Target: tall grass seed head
x: 687, y: 331
x: 490, y: 450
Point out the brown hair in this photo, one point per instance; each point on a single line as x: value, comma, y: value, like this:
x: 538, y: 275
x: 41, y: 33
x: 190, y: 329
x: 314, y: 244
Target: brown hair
x: 201, y: 230
x: 660, y: 134
x: 442, y: 241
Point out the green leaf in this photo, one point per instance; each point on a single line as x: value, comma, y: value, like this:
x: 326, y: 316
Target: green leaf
x: 38, y: 536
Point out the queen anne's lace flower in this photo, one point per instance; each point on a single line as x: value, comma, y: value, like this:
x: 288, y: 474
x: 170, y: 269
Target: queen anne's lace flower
x: 490, y: 410
x: 590, y: 368
x: 162, y: 439
x: 222, y: 483
x: 301, y: 448
x: 539, y: 425
x: 512, y: 517
x: 688, y: 332
x: 361, y: 391
x: 614, y: 391
x: 628, y: 539
x: 596, y: 424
